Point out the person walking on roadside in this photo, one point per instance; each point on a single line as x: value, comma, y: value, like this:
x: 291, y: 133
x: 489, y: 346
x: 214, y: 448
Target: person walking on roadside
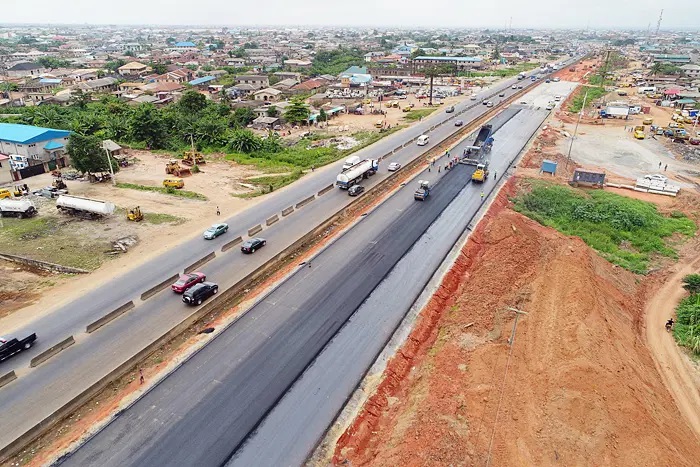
x: 218, y: 212
x: 482, y: 196
x: 141, y: 378
x: 312, y: 168
x: 494, y: 175
x: 659, y: 164
x: 665, y: 167
x: 438, y: 169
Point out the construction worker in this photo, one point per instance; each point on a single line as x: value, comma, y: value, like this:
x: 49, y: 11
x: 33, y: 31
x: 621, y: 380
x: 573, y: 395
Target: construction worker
x: 482, y: 196
x: 494, y: 175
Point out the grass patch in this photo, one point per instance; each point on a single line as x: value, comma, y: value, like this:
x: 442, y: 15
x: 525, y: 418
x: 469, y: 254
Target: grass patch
x: 52, y: 240
x: 157, y: 218
x: 270, y: 183
x: 417, y: 114
x: 503, y: 72
x: 163, y: 190
x: 624, y: 231
x: 687, y: 328
x: 594, y: 93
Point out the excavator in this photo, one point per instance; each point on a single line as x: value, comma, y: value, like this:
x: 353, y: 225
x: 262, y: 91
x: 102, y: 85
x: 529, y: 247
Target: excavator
x: 193, y: 157
x: 174, y: 168
x: 135, y: 214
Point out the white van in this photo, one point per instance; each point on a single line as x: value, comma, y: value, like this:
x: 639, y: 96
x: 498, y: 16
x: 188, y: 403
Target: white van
x: 422, y: 140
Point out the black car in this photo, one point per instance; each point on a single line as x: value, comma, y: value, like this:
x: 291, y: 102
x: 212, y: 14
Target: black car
x: 355, y: 190
x: 196, y: 294
x: 9, y: 347
x: 459, y: 123
x: 249, y: 246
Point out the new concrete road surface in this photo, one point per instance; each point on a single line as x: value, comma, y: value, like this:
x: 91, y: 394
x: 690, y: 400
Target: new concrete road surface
x: 38, y: 392
x: 202, y: 412
x: 297, y: 423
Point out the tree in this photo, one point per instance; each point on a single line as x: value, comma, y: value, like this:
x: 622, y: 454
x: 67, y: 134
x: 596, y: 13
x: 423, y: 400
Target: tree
x: 241, y: 117
x: 417, y: 53
x: 79, y: 98
x: 87, y: 155
x: 192, y: 102
x: 431, y: 72
x: 656, y: 68
x: 245, y: 141
x: 129, y: 53
x: 159, y: 68
x: 691, y: 283
x: 114, y: 64
x: 272, y: 111
x: 148, y: 125
x: 297, y: 112
x: 322, y: 115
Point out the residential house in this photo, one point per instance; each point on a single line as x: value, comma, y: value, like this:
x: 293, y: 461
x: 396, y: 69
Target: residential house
x: 42, y: 85
x: 98, y: 85
x: 267, y: 95
x: 202, y: 82
x: 285, y: 84
x: 179, y: 75
x: 691, y: 71
x: 295, y: 64
x: 5, y: 169
x: 288, y: 75
x: 371, y: 56
x: 235, y: 62
x: 242, y: 89
x: 133, y: 69
x: 309, y: 85
x: 455, y: 63
x: 265, y: 122
x: 163, y: 88
x: 257, y: 81
x: 185, y: 46
x: 43, y: 149
x: 25, y: 69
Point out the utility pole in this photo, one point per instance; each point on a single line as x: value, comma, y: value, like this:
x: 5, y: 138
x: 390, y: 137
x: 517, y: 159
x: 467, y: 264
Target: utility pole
x: 571, y: 145
x: 111, y: 170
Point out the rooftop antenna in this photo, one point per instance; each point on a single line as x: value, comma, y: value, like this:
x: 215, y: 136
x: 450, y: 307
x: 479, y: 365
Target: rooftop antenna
x: 658, y: 23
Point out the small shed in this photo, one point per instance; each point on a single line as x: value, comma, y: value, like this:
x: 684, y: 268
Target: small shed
x: 113, y: 148
x: 587, y: 178
x: 549, y: 167
x: 265, y: 123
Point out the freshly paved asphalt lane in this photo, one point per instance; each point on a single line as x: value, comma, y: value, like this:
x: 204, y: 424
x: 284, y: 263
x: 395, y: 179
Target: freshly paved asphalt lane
x: 293, y: 428
x: 40, y: 391
x: 200, y: 413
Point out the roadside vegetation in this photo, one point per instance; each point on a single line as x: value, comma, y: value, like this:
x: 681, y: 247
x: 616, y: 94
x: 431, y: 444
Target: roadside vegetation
x: 594, y: 93
x: 625, y: 231
x: 687, y: 327
x: 503, y: 72
x: 164, y: 190
x: 51, y: 240
x: 417, y: 114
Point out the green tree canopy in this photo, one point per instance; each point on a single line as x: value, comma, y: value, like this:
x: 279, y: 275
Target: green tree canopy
x: 297, y: 112
x: 691, y: 283
x: 87, y: 155
x: 192, y: 102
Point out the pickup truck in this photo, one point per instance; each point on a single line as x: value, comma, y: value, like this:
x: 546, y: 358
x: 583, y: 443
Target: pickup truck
x: 9, y: 347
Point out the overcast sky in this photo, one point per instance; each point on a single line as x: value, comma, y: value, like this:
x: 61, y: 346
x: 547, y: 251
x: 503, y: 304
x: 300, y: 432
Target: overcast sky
x: 408, y: 13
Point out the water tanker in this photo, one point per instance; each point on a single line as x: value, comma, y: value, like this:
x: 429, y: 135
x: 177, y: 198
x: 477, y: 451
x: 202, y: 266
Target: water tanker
x: 17, y: 208
x: 84, y: 207
x: 354, y: 174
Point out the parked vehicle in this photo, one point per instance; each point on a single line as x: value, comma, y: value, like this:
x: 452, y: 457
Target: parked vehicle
x: 648, y: 121
x: 587, y: 178
x: 394, y: 166
x: 173, y: 182
x: 638, y: 134
x: 5, y: 193
x: 188, y: 280
x: 84, y: 207
x: 423, y: 190
x: 556, y: 79
x: 10, y: 347
x: 422, y: 140
x: 355, y: 173
x: 215, y: 230
x: 199, y: 292
x: 356, y: 190
x: 459, y: 122
x: 21, y: 208
x: 252, y: 244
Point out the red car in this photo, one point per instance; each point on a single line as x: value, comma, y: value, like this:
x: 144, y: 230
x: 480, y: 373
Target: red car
x: 188, y: 280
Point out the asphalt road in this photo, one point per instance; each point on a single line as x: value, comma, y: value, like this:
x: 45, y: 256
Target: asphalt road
x: 297, y: 423
x: 204, y: 410
x: 40, y: 391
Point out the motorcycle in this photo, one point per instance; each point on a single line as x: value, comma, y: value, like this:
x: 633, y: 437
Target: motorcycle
x: 669, y: 324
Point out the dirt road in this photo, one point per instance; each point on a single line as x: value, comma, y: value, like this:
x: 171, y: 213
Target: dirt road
x: 674, y: 367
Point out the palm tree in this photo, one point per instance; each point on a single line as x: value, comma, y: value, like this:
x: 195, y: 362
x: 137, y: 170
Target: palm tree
x: 431, y: 72
x: 656, y: 68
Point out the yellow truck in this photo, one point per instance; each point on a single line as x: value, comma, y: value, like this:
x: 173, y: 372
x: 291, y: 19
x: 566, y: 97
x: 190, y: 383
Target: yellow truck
x: 648, y: 121
x: 173, y: 182
x: 481, y: 173
x: 5, y: 193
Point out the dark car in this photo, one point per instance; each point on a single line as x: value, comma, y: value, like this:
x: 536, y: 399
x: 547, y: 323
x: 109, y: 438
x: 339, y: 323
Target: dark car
x: 9, y: 347
x: 459, y: 123
x: 196, y: 294
x: 355, y: 190
x: 188, y: 280
x: 249, y: 246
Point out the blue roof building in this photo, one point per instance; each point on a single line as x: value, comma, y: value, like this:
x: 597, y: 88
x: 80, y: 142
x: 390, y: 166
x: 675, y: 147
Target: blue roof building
x: 204, y: 80
x: 185, y: 45
x: 33, y: 150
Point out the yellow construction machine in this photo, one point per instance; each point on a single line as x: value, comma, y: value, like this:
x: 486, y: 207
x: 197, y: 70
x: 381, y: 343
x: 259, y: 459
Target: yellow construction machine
x: 193, y: 158
x: 135, y: 214
x: 480, y: 174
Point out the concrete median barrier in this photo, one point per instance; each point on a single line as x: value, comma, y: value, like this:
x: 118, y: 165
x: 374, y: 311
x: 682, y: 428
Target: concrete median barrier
x: 397, y: 149
x: 254, y: 230
x: 272, y: 220
x: 200, y: 262
x: 92, y: 327
x: 322, y: 192
x: 305, y: 201
x: 7, y: 378
x: 287, y: 211
x: 155, y: 289
x: 231, y: 244
x: 55, y: 350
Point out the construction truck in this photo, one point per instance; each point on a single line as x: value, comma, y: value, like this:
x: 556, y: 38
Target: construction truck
x: 174, y: 168
x: 481, y: 144
x: 481, y: 173
x: 423, y: 190
x: 135, y: 214
x: 193, y: 158
x: 84, y: 207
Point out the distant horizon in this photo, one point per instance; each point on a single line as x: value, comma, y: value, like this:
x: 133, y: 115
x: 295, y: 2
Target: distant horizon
x: 410, y: 14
